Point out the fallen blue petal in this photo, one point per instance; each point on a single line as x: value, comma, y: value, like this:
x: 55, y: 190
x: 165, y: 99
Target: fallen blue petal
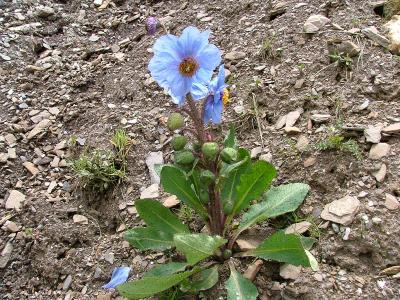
x: 119, y: 276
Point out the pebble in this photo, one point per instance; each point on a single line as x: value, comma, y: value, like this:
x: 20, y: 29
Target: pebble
x: 11, y: 226
x: 171, y: 201
x: 10, y: 139
x: 391, y: 129
x: 15, y: 200
x: 281, y: 122
x: 373, y: 34
x: 314, y: 23
x: 320, y: 118
x: 6, y: 254
x: 266, y: 157
x: 292, y: 130
x: 150, y: 192
x: 391, y: 202
x: 379, y: 150
x: 381, y: 173
x: 39, y: 128
x: 11, y: 153
x: 80, y: 219
x: 31, y: 168
x: 288, y: 271
x: 109, y: 257
x: 235, y: 55
x: 372, y: 134
x: 299, y: 228
x: 67, y: 283
x: 255, y: 152
x: 98, y: 2
x: 310, y: 161
x: 44, y: 11
x: 346, y: 233
x: 302, y: 143
x: 341, y: 211
x: 291, y: 118
x: 154, y: 158
x: 253, y: 269
x: 393, y: 29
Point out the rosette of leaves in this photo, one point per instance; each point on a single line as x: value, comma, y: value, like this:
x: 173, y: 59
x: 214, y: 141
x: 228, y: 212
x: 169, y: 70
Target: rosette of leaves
x: 220, y: 189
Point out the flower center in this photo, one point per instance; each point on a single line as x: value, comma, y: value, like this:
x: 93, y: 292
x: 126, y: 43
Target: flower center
x: 225, y: 97
x: 188, y: 66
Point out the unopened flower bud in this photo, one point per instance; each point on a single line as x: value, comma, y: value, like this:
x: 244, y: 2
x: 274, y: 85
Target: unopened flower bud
x: 227, y: 253
x: 175, y: 121
x: 210, y: 150
x: 228, y: 155
x: 207, y: 177
x: 184, y: 157
x: 151, y: 25
x: 179, y: 142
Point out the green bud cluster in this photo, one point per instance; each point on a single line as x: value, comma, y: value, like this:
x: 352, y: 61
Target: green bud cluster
x: 210, y: 150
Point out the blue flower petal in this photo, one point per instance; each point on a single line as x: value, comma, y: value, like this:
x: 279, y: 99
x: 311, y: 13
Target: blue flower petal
x: 193, y: 41
x: 199, y: 91
x: 221, y: 78
x: 119, y: 276
x: 216, y: 113
x: 208, y: 107
x: 209, y: 58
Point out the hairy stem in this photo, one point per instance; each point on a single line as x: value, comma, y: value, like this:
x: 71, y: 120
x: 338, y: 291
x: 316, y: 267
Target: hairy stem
x: 196, y: 117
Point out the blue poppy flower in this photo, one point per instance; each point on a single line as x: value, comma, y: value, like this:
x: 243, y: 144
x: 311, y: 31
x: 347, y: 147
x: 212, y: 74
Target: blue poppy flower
x: 119, y: 276
x: 179, y: 62
x: 217, y: 97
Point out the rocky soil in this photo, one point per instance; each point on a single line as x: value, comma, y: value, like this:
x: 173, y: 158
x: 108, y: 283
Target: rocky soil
x: 80, y: 68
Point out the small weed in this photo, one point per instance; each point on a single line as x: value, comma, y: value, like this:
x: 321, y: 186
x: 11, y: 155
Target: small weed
x: 268, y: 49
x: 97, y: 170
x: 186, y: 213
x: 338, y: 142
x: 122, y: 143
x: 391, y: 8
x: 342, y: 60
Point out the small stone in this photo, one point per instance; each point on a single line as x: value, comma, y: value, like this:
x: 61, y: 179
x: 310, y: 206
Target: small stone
x: 341, y: 211
x: 381, y: 173
x: 288, y: 271
x: 310, y: 161
x: 320, y: 118
x: 391, y: 129
x: 80, y: 219
x: 299, y: 83
x: 109, y: 257
x: 10, y: 139
x: 281, y: 122
x: 98, y: 2
x: 121, y: 228
x: 104, y: 296
x: 150, y: 192
x: 239, y: 109
x: 67, y: 283
x: 154, y: 158
x: 255, y: 152
x: 346, y: 234
x: 376, y: 220
x: 292, y: 130
x: 291, y: 118
x: 15, y: 200
x: 55, y: 162
x: 132, y: 210
x: 39, y: 128
x: 3, y: 158
x: 266, y: 157
x: 61, y: 145
x: 247, y: 244
x: 253, y: 269
x: 235, y: 55
x: 314, y: 23
x: 31, y: 168
x: 11, y: 226
x: 391, y: 202
x: 372, y: 134
x: 54, y: 111
x: 6, y: 254
x: 299, y: 228
x: 379, y: 150
x: 363, y: 105
x: 393, y: 28
x: 44, y: 11
x: 51, y: 187
x: 171, y: 201
x: 25, y: 28
x: 373, y: 34
x: 302, y: 143
x: 94, y: 38
x: 11, y: 153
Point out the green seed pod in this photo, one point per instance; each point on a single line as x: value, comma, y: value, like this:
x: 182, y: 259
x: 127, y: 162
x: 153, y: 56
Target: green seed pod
x: 184, y: 157
x: 210, y: 150
x: 179, y: 142
x: 227, y: 253
x: 175, y: 121
x: 228, y: 155
x: 207, y: 177
x: 204, y: 197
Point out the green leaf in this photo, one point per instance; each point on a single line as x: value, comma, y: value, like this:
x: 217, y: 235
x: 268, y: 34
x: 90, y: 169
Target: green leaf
x: 148, y: 286
x: 204, y: 280
x: 159, y: 217
x: 240, y: 288
x: 158, y: 168
x: 253, y: 184
x: 174, y: 181
x: 277, y: 201
x: 195, y: 178
x: 145, y: 238
x: 230, y: 183
x: 283, y: 248
x: 167, y: 269
x: 307, y: 242
x: 198, y: 246
x: 230, y: 139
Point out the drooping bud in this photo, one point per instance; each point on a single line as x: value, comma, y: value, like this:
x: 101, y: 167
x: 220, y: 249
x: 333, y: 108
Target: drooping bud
x: 179, y: 142
x: 175, y: 121
x: 151, y: 25
x: 210, y: 150
x: 228, y: 155
x: 227, y: 253
x: 184, y: 157
x: 207, y: 177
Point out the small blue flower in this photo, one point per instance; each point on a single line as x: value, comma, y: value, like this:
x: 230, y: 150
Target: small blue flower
x: 119, y: 276
x: 179, y: 62
x: 216, y: 99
